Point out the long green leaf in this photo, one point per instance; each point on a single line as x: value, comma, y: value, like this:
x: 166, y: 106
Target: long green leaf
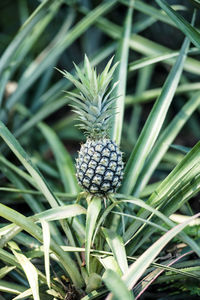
x: 23, y: 295
x: 181, y: 23
x: 26, y: 45
x: 117, y: 286
x: 145, y: 46
x: 152, y: 94
x: 146, y: 61
x: 29, y: 226
x: 153, y: 124
x: 26, y: 161
x: 54, y: 95
x: 190, y: 161
x: 46, y: 244
x: 116, y: 244
x: 11, y: 288
x: 91, y: 218
x: 29, y: 270
x: 62, y: 212
x: 120, y: 76
x: 181, y: 184
x: 63, y: 159
x: 161, y: 216
x: 149, y: 10
x: 137, y: 269
x: 26, y: 28
x: 5, y: 270
x: 17, y: 170
x: 165, y: 141
x: 110, y: 263
x: 41, y: 114
x: 38, y: 67
x: 35, y: 205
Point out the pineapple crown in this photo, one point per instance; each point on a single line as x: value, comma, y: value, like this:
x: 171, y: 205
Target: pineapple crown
x: 92, y: 104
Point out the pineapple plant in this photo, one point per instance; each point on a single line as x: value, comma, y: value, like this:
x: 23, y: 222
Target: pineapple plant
x: 99, y: 164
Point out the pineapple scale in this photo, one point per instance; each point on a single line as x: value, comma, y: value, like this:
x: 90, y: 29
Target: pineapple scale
x: 99, y: 166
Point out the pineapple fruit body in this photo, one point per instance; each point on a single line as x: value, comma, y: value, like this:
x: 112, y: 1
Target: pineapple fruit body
x: 99, y: 166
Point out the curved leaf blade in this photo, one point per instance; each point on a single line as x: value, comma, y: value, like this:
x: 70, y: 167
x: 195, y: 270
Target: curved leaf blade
x: 137, y: 269
x: 115, y: 242
x: 117, y: 286
x: 93, y: 211
x: 46, y: 244
x: 29, y: 270
x: 62, y: 212
x: 165, y: 140
x: 153, y: 124
x: 142, y: 263
x: 181, y: 23
x: 120, y: 76
x: 63, y: 159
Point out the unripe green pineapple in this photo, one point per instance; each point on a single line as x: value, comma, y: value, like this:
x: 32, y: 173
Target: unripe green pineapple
x: 99, y: 164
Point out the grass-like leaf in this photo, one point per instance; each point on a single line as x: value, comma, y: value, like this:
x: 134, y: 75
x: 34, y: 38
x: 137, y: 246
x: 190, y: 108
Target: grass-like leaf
x: 26, y: 161
x: 23, y: 295
x: 11, y: 288
x: 110, y: 263
x: 24, y: 31
x: 29, y: 269
x: 145, y: 46
x: 46, y: 243
x: 182, y: 24
x: 137, y: 268
x: 165, y: 141
x: 152, y: 94
x: 34, y: 230
x: 116, y: 244
x: 181, y: 184
x: 153, y: 124
x: 62, y: 212
x: 63, y: 159
x: 92, y: 215
x: 120, y: 76
x: 5, y: 270
x: 38, y: 67
x: 146, y: 61
x: 116, y: 286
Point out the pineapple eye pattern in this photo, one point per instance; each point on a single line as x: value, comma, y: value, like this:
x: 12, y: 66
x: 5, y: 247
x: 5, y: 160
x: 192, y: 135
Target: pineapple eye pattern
x: 99, y: 166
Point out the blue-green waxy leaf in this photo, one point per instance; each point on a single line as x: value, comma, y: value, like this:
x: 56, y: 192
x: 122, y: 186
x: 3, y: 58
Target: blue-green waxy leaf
x: 117, y: 286
x: 116, y: 244
x: 153, y: 124
x: 181, y: 23
x: 29, y: 269
x: 93, y: 211
x: 46, y: 242
x: 25, y: 30
x: 137, y: 269
x: 38, y: 66
x: 120, y: 76
x: 165, y: 140
x: 26, y: 161
x: 16, y: 148
x: 63, y: 159
x: 62, y: 212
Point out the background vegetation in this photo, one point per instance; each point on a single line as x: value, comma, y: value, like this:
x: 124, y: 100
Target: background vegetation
x: 50, y: 246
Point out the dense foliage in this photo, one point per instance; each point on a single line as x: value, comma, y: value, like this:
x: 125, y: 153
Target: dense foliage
x: 56, y: 240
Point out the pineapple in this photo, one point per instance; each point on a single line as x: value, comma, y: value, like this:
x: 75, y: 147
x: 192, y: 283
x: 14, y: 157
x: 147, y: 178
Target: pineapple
x: 99, y: 164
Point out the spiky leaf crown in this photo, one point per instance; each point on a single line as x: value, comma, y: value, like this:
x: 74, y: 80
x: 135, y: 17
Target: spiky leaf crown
x: 92, y: 104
